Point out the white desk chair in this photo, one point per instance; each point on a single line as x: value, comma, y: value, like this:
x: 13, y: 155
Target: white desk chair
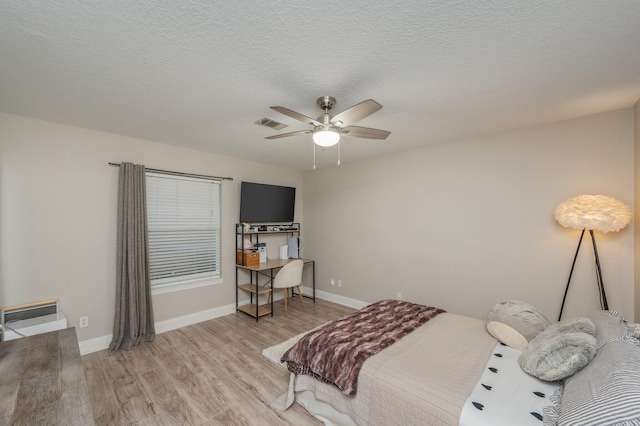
x: 289, y: 276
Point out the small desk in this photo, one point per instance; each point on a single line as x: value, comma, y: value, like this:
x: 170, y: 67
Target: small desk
x: 254, y: 288
x: 42, y: 381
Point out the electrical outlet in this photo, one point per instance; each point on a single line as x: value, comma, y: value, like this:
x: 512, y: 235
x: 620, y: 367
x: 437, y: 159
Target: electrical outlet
x: 399, y: 296
x: 84, y: 322
x: 339, y: 283
x: 333, y: 281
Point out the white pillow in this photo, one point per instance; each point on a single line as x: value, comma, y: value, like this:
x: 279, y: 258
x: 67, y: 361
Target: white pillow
x: 507, y: 335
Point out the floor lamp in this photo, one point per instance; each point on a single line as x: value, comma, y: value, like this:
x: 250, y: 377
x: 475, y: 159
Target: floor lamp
x: 593, y: 213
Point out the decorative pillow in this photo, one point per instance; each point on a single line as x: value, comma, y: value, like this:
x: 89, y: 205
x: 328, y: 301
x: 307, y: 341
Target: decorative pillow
x: 553, y: 355
x: 521, y: 316
x: 574, y: 325
x: 610, y: 325
x: 607, y: 391
x: 507, y: 335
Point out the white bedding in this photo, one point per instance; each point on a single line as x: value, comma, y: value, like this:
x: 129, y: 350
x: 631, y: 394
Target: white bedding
x: 505, y: 395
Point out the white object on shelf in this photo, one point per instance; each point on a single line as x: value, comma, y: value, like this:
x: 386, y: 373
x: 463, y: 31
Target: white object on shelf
x: 263, y: 254
x: 284, y: 252
x: 32, y: 326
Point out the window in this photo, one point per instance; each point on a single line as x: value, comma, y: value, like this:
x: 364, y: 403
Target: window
x: 183, y: 216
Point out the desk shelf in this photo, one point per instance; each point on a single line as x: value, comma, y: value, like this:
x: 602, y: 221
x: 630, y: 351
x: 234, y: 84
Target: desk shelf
x: 266, y: 271
x: 250, y: 309
x: 251, y: 288
x: 292, y: 229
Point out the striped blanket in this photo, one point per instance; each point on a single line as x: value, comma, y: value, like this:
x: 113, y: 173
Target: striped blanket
x: 335, y: 352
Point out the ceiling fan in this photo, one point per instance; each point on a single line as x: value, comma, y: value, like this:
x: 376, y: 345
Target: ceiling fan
x: 327, y: 129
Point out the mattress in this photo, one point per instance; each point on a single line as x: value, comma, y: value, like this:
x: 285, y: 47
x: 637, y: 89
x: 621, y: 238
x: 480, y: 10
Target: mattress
x: 425, y: 378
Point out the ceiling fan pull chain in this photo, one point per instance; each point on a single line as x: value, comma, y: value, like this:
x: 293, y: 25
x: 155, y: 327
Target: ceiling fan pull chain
x: 314, y: 155
x: 339, y: 152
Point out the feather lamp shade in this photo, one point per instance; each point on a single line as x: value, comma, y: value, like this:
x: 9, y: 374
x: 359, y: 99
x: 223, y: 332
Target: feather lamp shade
x: 593, y: 212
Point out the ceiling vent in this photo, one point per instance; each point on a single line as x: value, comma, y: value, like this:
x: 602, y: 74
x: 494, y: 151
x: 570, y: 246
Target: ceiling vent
x: 267, y: 122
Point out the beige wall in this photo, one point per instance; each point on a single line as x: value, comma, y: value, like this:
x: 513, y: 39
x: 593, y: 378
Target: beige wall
x: 465, y: 224
x: 637, y: 206
x: 58, y: 217
x: 460, y: 225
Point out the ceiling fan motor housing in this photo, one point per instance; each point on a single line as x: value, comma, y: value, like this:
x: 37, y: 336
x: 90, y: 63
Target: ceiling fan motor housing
x: 326, y: 102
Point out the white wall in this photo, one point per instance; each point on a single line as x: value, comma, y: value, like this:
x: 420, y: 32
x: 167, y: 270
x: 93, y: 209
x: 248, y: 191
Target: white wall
x: 58, y: 199
x: 465, y: 224
x: 636, y: 209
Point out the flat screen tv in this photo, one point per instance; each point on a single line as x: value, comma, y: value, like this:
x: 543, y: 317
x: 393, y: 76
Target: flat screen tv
x: 262, y: 203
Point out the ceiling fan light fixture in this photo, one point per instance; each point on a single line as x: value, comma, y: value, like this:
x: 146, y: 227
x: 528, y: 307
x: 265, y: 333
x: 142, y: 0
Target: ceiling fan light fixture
x: 326, y: 137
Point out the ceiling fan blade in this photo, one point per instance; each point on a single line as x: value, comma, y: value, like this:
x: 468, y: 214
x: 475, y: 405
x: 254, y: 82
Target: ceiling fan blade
x: 284, y: 135
x: 296, y: 115
x: 355, y: 113
x: 364, y: 132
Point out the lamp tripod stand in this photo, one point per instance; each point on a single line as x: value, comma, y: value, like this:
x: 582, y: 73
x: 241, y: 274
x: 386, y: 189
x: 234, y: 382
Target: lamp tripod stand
x: 592, y: 212
x: 603, y: 294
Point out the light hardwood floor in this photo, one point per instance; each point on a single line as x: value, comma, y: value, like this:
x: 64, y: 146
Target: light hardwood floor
x: 211, y: 373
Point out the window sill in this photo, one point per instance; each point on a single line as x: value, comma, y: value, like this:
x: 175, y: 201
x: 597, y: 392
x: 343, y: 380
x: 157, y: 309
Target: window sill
x: 184, y: 285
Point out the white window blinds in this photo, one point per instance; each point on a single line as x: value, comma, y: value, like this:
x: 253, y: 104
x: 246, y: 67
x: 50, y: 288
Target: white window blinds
x: 184, y: 228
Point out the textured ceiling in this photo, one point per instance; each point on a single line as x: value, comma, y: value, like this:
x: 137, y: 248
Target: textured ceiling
x: 198, y: 74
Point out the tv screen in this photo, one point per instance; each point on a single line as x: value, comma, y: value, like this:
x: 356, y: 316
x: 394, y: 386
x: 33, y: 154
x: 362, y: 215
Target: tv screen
x: 260, y: 202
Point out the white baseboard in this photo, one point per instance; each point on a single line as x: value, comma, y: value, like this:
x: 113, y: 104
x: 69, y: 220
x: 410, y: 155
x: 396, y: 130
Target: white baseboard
x: 340, y: 300
x: 102, y: 342
x: 95, y: 344
x: 194, y: 318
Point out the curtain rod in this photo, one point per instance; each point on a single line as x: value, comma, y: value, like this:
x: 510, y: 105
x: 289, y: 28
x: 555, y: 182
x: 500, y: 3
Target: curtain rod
x: 169, y: 172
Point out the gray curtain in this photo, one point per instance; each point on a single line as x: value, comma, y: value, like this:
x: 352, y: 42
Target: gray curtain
x: 133, y: 320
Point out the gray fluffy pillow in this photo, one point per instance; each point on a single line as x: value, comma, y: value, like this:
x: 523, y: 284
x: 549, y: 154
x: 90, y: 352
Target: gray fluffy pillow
x: 521, y: 316
x: 560, y: 351
x: 574, y: 325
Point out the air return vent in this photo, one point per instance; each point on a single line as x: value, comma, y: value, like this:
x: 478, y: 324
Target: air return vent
x: 267, y: 122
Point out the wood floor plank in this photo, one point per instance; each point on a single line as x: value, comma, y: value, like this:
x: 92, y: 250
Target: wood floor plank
x: 132, y: 398
x: 211, y: 373
x: 101, y: 393
x: 157, y: 420
x: 202, y: 392
x: 142, y: 360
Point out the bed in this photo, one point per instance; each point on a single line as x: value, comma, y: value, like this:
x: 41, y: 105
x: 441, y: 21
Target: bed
x: 448, y: 370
